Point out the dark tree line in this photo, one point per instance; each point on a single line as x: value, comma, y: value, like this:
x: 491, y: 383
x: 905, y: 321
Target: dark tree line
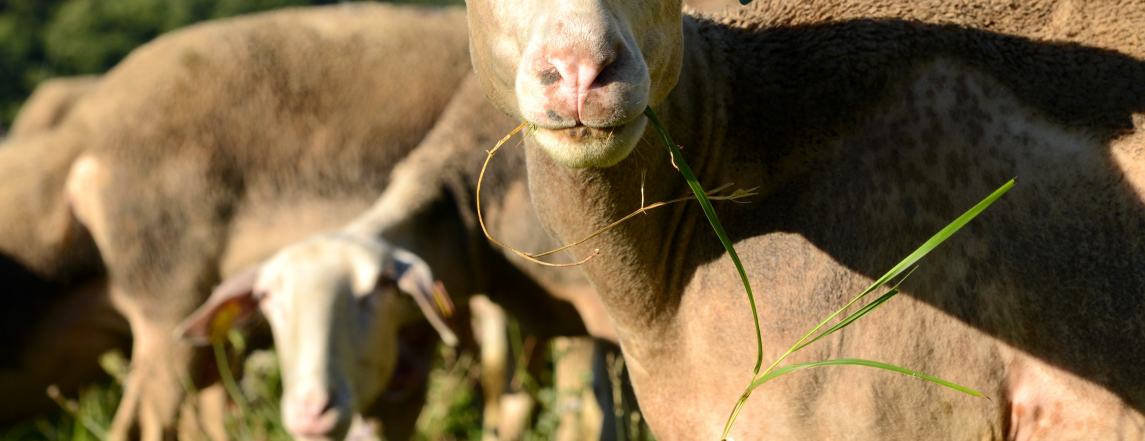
x: 40, y: 39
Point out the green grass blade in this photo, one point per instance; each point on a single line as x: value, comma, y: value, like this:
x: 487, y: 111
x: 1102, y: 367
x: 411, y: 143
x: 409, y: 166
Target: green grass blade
x: 710, y: 212
x: 868, y: 363
x: 232, y: 387
x: 851, y: 318
x: 940, y: 237
x: 911, y: 259
x: 914, y: 257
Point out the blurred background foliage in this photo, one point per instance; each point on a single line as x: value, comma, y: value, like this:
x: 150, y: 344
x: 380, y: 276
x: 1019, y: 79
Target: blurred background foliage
x: 41, y: 39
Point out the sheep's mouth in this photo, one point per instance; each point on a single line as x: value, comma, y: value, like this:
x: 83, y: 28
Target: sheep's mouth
x: 581, y: 133
x: 580, y: 146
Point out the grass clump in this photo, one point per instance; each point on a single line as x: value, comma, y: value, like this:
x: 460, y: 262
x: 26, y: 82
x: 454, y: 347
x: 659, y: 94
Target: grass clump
x: 452, y: 412
x: 96, y: 404
x: 452, y: 409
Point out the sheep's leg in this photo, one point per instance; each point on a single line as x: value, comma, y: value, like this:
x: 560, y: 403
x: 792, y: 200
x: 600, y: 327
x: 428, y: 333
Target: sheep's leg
x: 160, y: 372
x: 158, y: 245
x: 489, y: 328
x: 517, y: 404
x: 204, y: 416
x: 152, y: 392
x: 212, y: 411
x: 581, y: 417
x: 506, y: 412
x: 163, y: 368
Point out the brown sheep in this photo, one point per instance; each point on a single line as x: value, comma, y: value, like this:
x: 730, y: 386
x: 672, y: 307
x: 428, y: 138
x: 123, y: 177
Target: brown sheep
x: 865, y: 136
x: 214, y: 145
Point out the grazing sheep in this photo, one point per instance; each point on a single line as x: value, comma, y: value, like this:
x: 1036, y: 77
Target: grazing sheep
x: 212, y: 146
x: 866, y: 130
x: 325, y: 382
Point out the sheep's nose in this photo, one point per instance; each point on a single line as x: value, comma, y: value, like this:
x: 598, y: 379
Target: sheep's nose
x: 577, y: 74
x: 312, y: 414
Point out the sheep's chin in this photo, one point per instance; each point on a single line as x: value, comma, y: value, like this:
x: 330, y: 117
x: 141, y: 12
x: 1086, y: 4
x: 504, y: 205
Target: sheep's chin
x: 583, y: 147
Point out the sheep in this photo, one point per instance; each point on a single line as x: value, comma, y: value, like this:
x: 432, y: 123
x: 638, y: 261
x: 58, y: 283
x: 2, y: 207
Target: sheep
x: 866, y: 126
x: 38, y: 233
x: 214, y: 145
x: 445, y: 233
x: 864, y: 137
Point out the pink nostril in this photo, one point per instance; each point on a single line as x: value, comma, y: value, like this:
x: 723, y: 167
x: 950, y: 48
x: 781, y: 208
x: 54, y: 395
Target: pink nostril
x: 577, y: 74
x: 311, y: 415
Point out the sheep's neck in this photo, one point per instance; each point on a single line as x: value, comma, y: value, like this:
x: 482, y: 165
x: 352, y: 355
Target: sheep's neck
x: 640, y: 272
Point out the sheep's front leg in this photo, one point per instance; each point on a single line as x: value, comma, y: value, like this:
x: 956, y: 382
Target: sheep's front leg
x: 161, y: 372
x: 489, y: 327
x: 159, y: 242
x: 581, y: 416
x: 203, y: 417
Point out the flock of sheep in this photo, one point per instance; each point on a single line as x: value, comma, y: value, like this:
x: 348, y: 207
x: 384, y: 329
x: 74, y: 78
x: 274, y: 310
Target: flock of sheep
x: 317, y: 170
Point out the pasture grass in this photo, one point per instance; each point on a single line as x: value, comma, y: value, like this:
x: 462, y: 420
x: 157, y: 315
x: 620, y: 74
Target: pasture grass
x: 452, y: 411
x: 96, y: 403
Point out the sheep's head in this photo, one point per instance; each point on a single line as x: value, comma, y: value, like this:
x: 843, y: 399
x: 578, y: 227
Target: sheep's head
x: 580, y: 71
x: 335, y: 304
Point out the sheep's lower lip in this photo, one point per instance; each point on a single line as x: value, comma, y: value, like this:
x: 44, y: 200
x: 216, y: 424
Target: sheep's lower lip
x: 581, y: 133
x: 583, y: 146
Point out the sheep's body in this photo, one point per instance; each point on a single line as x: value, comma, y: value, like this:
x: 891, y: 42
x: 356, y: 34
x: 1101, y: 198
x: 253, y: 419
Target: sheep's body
x: 865, y: 137
x: 1110, y: 24
x: 712, y: 5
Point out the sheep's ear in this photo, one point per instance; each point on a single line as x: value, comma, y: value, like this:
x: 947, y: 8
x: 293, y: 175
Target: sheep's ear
x: 413, y: 277
x: 231, y: 304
